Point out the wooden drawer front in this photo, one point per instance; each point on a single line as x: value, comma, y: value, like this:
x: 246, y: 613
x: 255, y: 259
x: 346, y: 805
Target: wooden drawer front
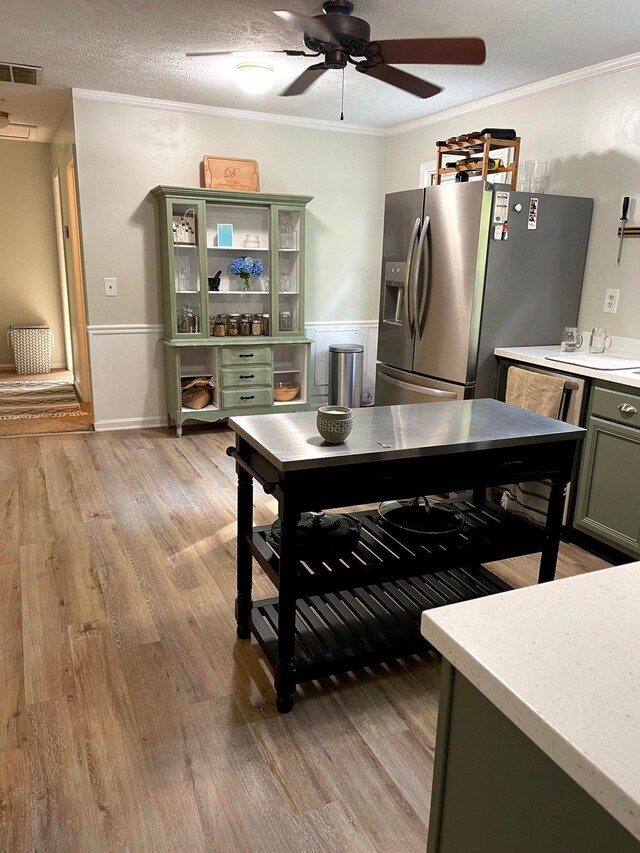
x: 246, y: 355
x: 246, y: 397
x: 616, y: 406
x: 239, y: 377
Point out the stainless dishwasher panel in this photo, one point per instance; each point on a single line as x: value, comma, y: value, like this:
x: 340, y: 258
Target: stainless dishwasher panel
x: 394, y: 387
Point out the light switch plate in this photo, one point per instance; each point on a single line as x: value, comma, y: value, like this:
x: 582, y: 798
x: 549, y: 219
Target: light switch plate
x: 110, y: 287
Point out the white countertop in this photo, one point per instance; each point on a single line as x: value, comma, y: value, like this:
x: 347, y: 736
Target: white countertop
x: 538, y: 356
x: 562, y: 662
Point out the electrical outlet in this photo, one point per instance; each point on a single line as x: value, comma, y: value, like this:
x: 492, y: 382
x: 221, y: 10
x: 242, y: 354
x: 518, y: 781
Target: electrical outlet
x: 110, y: 287
x: 611, y: 297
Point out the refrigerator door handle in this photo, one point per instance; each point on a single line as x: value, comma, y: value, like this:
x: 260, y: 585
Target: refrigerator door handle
x: 407, y: 284
x: 419, y: 389
x: 415, y: 277
x: 422, y: 303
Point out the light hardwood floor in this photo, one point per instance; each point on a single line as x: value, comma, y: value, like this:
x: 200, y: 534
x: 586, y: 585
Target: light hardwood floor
x: 132, y: 719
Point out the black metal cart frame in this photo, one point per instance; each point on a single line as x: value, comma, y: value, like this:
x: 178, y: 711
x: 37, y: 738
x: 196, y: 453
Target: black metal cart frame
x: 334, y: 614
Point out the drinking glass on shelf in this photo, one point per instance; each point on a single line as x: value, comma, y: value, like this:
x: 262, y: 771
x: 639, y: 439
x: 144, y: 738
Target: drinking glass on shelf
x: 571, y: 339
x: 184, y: 275
x: 286, y: 232
x: 539, y: 176
x: 285, y: 282
x: 524, y: 177
x: 599, y: 340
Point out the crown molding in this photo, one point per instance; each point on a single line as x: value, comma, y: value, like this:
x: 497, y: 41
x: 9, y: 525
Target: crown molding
x: 602, y: 69
x: 224, y: 112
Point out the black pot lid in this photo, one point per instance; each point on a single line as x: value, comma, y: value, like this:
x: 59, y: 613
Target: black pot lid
x: 321, y: 530
x: 420, y: 517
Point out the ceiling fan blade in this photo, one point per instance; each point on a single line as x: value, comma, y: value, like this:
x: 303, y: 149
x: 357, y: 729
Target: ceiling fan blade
x: 400, y: 79
x: 313, y: 28
x: 453, y: 51
x: 247, y: 53
x: 20, y: 124
x: 302, y: 83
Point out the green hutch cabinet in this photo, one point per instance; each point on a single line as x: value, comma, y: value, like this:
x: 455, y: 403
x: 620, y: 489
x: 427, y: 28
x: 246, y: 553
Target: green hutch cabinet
x: 201, y: 233
x: 608, y: 500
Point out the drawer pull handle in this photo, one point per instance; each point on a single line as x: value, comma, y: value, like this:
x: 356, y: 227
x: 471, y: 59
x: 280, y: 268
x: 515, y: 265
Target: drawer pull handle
x: 247, y: 376
x: 252, y: 397
x: 626, y: 409
x: 245, y: 355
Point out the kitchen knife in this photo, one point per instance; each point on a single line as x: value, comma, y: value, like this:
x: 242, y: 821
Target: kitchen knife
x: 623, y: 222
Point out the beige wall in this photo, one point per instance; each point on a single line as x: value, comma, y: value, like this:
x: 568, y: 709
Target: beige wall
x: 124, y: 151
x: 590, y: 133
x: 29, y: 279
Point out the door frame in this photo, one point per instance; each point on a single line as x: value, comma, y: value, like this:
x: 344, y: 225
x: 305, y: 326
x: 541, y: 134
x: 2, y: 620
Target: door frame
x: 73, y: 240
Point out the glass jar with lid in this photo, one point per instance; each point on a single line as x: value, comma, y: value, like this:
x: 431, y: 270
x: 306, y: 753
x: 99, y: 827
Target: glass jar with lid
x: 256, y: 325
x: 266, y: 325
x: 285, y: 321
x: 245, y: 324
x: 233, y: 328
x: 221, y: 325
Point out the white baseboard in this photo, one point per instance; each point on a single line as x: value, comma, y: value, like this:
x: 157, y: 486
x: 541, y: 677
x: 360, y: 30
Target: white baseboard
x: 150, y: 422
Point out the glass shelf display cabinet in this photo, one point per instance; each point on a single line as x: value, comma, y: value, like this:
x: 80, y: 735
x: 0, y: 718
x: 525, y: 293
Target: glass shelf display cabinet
x: 232, y: 266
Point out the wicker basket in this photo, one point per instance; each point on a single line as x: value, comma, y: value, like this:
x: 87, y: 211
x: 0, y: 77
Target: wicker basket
x: 31, y: 347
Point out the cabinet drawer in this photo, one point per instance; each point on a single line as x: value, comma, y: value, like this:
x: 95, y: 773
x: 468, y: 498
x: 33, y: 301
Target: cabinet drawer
x: 616, y: 406
x: 246, y: 397
x: 245, y: 355
x: 239, y: 377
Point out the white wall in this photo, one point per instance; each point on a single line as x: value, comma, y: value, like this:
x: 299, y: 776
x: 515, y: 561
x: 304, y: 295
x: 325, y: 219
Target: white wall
x: 124, y: 150
x: 590, y: 133
x: 29, y: 280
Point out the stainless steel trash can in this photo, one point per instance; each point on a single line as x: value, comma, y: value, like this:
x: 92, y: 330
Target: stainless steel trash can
x: 345, y: 374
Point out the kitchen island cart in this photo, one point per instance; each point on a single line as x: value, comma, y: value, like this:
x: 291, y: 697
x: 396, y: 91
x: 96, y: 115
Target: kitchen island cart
x: 338, y: 612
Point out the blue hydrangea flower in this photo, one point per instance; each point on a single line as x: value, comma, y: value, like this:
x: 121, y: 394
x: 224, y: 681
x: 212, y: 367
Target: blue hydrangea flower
x: 245, y: 267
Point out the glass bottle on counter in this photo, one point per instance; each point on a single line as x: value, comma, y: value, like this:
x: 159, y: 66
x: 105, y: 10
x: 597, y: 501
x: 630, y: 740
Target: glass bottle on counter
x: 266, y: 325
x: 256, y: 325
x: 233, y: 328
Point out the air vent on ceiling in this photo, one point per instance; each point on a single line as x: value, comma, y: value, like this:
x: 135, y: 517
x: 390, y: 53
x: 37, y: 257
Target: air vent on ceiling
x: 31, y: 75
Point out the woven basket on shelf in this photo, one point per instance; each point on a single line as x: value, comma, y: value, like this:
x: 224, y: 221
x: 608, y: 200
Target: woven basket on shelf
x: 31, y: 347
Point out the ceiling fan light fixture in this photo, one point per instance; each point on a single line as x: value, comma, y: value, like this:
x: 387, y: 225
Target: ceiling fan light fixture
x: 4, y: 120
x: 254, y: 78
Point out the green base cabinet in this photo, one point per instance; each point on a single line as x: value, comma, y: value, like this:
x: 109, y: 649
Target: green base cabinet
x: 495, y: 791
x: 202, y: 233
x: 608, y: 497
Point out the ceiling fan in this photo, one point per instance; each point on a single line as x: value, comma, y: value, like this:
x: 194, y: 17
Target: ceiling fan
x: 338, y: 36
x: 5, y: 122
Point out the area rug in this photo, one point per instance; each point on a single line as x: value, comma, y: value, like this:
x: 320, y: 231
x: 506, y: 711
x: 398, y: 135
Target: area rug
x: 36, y: 399
x: 34, y: 405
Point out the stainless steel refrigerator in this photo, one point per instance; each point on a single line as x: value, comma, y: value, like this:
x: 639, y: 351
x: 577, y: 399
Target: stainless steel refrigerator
x: 467, y: 268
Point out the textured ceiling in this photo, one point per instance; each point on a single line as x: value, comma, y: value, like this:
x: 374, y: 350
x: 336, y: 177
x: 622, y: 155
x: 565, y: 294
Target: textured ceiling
x: 136, y: 47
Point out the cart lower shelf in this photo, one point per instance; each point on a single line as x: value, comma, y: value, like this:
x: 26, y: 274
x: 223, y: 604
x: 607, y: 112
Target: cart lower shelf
x: 350, y: 629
